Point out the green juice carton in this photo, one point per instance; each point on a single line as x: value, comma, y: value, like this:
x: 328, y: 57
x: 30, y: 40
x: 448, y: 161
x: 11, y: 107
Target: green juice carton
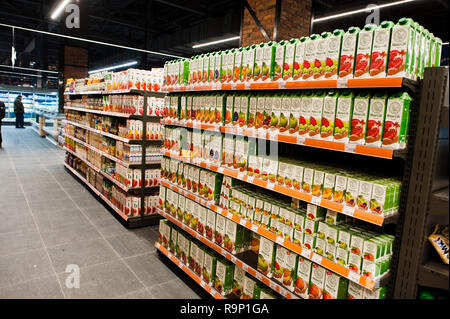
x: 284, y: 103
x: 278, y: 269
x: 305, y: 115
x: 299, y: 226
x: 320, y: 246
x: 259, y: 116
x: 335, y: 286
x: 355, y: 263
x: 252, y: 109
x: 299, y: 59
x: 309, y: 56
x: 417, y: 29
x: 330, y: 252
x: 267, y: 113
x: 333, y: 53
x: 344, y: 114
x: 375, y: 124
x: 436, y: 58
x: 303, y: 277
x: 192, y: 258
x: 201, y: 225
x: 334, y: 218
x: 252, y: 290
x: 401, y: 51
x: 420, y: 67
x: 209, y: 267
x: 248, y: 63
x: 294, y: 117
x: 360, y: 118
x: 333, y: 234
x: 266, y: 215
x: 355, y: 291
x: 210, y: 224
x: 380, y: 50
x: 426, y: 51
x: 244, y: 114
x: 342, y: 256
x: 378, y: 293
x: 357, y: 242
x: 317, y: 282
x: 229, y: 110
x: 364, y: 193
x: 309, y: 240
x: 382, y: 195
x: 396, y: 121
x: 266, y: 257
x: 227, y: 66
x: 322, y: 231
x: 290, y: 269
x: 320, y: 58
x: 233, y: 237
x: 267, y: 293
x: 308, y: 175
x: 289, y: 59
x: 268, y: 64
x: 200, y: 260
x: 329, y: 115
x: 340, y: 187
x: 238, y: 57
x: 238, y: 281
x: 432, y: 50
x: 223, y: 282
x: 348, y: 53
x: 259, y: 58
x: 278, y: 65
x: 218, y: 66
x: 315, y: 119
x: 363, y: 51
x: 371, y: 269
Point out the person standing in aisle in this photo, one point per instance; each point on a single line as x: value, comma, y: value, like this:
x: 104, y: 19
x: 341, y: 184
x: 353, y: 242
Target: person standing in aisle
x: 2, y: 116
x: 19, y: 110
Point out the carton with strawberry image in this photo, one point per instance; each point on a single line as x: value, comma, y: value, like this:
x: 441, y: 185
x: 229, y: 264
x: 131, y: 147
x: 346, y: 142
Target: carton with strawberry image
x: 279, y: 63
x: 209, y: 267
x: 266, y: 257
x: 375, y: 124
x: 335, y: 286
x: 332, y: 60
x: 396, y: 121
x: 201, y: 224
x: 219, y: 232
x: 248, y: 63
x: 315, y: 119
x: 355, y: 263
x: 320, y: 58
x: 363, y: 51
x: 305, y: 114
x: 200, y: 257
x: 309, y: 56
x: 289, y: 59
x: 380, y: 50
x: 317, y: 282
x: 344, y: 114
x: 348, y: 53
x: 360, y: 118
x: 329, y: 115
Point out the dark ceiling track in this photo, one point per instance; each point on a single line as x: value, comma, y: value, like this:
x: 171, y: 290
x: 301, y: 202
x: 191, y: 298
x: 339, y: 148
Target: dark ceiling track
x: 258, y: 23
x: 277, y: 20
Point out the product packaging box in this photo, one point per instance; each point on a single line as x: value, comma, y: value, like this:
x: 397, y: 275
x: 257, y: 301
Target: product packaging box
x: 266, y: 257
x: 223, y: 282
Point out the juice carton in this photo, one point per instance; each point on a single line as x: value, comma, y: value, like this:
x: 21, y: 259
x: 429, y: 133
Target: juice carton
x: 252, y: 109
x: 238, y: 57
x: 304, y: 120
x: 209, y: 267
x: 375, y: 124
x: 318, y: 181
x: 294, y: 117
x: 284, y: 104
x: 416, y: 53
x: 244, y: 114
x: 355, y: 263
x: 162, y: 197
x: 402, y: 49
x: 355, y: 291
x: 348, y: 53
x: 303, y: 276
x: 241, y: 154
x: 356, y: 242
x: 259, y: 57
x: 192, y: 258
x: 210, y: 224
x: 228, y: 150
x: 259, y: 115
x: 333, y: 234
x: 322, y: 231
x: 266, y: 257
x: 309, y: 241
x: 364, y: 193
x: 328, y: 185
x: 330, y: 252
x: 223, y: 282
x: 315, y: 213
x: 238, y: 281
x: 436, y: 58
x: 363, y: 51
x: 205, y: 74
x: 371, y: 269
x: 396, y: 121
x: 378, y: 293
x: 192, y: 70
x: 297, y: 177
x: 266, y: 214
x: 290, y: 269
x: 278, y: 269
x: 380, y: 50
x: 202, y: 211
x: 275, y: 226
x: 229, y: 110
x: 252, y: 290
x: 268, y: 63
x: 233, y: 237
x: 248, y: 63
x: 218, y: 66
x: 299, y: 226
x: 334, y: 218
x: 220, y: 109
x: 200, y: 68
x: 320, y: 246
x: 236, y: 110
x: 309, y: 56
x: 315, y: 119
x: 308, y: 175
x: 228, y: 66
x: 344, y: 114
x: 426, y: 38
x: 382, y: 195
x: 342, y: 256
x: 211, y: 69
x: 182, y: 211
x: 200, y: 260
x: 259, y: 205
x: 320, y: 58
x: 332, y: 56
x: 289, y: 59
x: 220, y: 229
x: 255, y: 165
x: 183, y: 110
x: 317, y: 282
x: 335, y: 286
x: 329, y: 115
x: 360, y: 118
x: 279, y: 59
x: 267, y: 113
x: 299, y: 58
x: 372, y: 250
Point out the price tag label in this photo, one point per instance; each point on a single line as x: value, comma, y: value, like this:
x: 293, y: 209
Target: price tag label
x: 317, y: 259
x: 315, y: 200
x: 230, y: 215
x: 342, y: 84
x: 233, y: 259
x: 243, y: 222
x: 273, y: 285
x: 240, y: 175
x: 348, y: 211
x: 273, y: 135
x: 350, y: 148
x: 255, y: 228
x: 270, y: 186
x: 245, y: 267
x: 250, y: 179
x: 306, y: 253
x: 301, y: 140
x: 280, y: 240
x: 353, y: 276
x: 247, y: 86
x: 258, y: 276
x: 282, y: 85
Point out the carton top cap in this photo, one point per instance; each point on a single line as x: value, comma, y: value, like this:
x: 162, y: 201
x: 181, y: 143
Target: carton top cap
x: 353, y: 29
x: 369, y: 27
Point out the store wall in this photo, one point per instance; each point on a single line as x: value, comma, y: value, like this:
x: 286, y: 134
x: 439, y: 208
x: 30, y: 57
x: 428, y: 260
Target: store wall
x: 295, y: 20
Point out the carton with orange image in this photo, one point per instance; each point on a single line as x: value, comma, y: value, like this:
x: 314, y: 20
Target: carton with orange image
x: 317, y: 282
x: 301, y: 286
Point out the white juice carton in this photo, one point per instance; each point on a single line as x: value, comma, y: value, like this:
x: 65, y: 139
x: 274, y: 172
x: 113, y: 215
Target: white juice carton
x: 359, y: 118
x: 404, y: 50
x: 364, y: 49
x: 303, y: 276
x: 380, y: 50
x: 332, y: 56
x: 317, y: 282
x: 348, y: 52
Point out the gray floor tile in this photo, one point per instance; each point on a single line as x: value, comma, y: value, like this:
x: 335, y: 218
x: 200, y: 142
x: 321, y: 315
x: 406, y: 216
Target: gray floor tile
x: 51, y: 206
x: 110, y: 227
x: 14, y: 208
x: 20, y: 241
x: 97, y: 213
x: 81, y: 253
x: 140, y: 294
x: 42, y: 288
x: 25, y: 266
x: 150, y: 269
x: 54, y: 220
x: 129, y: 245
x: 174, y: 289
x: 109, y: 280
x: 69, y: 233
x: 16, y: 222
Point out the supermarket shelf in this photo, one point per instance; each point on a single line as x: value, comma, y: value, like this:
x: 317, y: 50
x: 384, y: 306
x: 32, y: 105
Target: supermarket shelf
x: 189, y: 272
x: 293, y: 139
x: 121, y: 214
x: 112, y: 179
x: 394, y: 82
x: 439, y: 202
x: 125, y: 140
x: 115, y: 114
x: 444, y: 116
x: 149, y: 93
x: 342, y: 271
x: 340, y: 208
x: 268, y: 282
x: 434, y: 274
x: 112, y: 158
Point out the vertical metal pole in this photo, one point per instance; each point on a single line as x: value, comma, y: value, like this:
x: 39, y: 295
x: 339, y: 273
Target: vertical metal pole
x: 144, y: 154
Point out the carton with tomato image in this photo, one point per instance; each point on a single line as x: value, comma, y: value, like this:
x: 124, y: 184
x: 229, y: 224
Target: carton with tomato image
x: 370, y: 269
x: 321, y: 62
x: 210, y: 224
x: 317, y: 282
x: 357, y: 242
x: 279, y: 61
x: 223, y: 280
x: 192, y: 257
x: 289, y: 57
x: 309, y: 56
x: 198, y: 268
x: 404, y: 49
x: 305, y: 113
x: 303, y: 276
x: 355, y: 263
x: 335, y: 286
x: 396, y: 121
x: 238, y: 281
x: 360, y: 118
x: 364, y: 50
x: 266, y: 257
x: 315, y: 213
x: 380, y: 50
x: 209, y: 267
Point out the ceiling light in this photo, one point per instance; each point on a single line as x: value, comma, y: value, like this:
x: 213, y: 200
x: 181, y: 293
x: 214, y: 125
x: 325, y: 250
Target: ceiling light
x: 59, y: 9
x: 215, y: 42
x: 114, y: 67
x: 361, y: 10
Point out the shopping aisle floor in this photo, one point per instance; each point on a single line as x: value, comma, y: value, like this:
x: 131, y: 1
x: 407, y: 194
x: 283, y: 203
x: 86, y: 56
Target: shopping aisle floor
x: 49, y: 220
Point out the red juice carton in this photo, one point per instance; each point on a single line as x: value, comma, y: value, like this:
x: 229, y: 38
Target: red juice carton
x: 320, y: 59
x: 380, y: 50
x: 375, y: 124
x: 396, y: 121
x: 363, y: 51
x: 348, y: 53
x: 309, y: 56
x: 305, y: 114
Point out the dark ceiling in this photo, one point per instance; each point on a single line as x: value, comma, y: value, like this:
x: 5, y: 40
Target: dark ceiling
x: 171, y: 26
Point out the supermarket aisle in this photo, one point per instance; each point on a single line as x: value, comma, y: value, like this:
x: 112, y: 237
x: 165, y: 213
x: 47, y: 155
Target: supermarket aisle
x: 49, y: 221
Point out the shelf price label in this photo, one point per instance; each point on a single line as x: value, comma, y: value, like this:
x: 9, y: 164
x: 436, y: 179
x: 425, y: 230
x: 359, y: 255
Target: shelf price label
x: 315, y: 200
x: 273, y: 285
x: 341, y: 84
x: 243, y: 222
x: 353, y: 276
x: 317, y: 259
x: 255, y: 228
x: 280, y: 240
x: 350, y: 148
x: 348, y: 211
x: 301, y: 140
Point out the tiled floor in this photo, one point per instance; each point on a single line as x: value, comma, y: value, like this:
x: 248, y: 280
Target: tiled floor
x: 49, y: 221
